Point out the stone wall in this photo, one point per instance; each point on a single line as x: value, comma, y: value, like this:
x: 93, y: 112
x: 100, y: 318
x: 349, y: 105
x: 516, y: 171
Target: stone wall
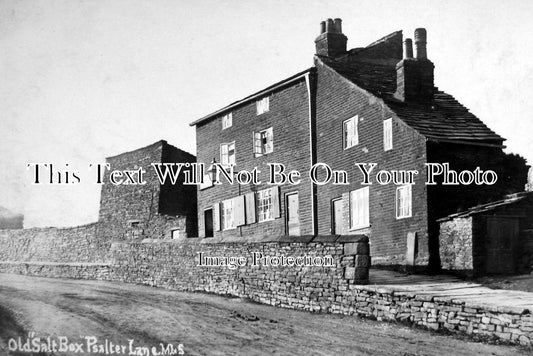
x: 455, y: 245
x: 175, y: 265
x: 75, y: 244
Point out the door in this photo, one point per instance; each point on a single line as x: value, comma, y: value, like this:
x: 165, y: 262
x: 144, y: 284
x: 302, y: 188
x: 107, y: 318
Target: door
x: 208, y: 222
x: 501, y: 241
x: 336, y: 218
x: 293, y: 214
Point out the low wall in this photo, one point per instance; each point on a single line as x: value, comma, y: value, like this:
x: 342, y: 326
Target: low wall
x: 509, y: 324
x: 337, y: 288
x: 329, y: 266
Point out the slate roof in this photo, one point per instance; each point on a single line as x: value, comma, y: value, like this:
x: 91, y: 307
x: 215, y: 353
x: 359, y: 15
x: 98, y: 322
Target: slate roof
x: 373, y: 69
x: 509, y: 199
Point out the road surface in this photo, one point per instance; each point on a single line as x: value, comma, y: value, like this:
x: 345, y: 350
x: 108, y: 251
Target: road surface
x: 94, y: 317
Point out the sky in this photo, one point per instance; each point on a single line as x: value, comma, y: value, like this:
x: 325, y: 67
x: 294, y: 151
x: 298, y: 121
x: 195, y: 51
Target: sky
x: 85, y: 80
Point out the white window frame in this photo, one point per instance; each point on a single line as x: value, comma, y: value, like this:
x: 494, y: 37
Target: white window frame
x: 263, y: 142
x: 265, y: 205
x: 387, y: 134
x: 227, y: 121
x: 350, y: 132
x: 360, y: 208
x: 225, y: 158
x: 404, y: 201
x: 262, y: 105
x: 227, y: 215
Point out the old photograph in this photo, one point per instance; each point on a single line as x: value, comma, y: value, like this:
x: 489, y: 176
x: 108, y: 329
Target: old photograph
x: 266, y: 177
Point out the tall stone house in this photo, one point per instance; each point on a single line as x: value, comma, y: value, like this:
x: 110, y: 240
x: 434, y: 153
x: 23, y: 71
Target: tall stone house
x: 375, y: 104
x: 152, y: 209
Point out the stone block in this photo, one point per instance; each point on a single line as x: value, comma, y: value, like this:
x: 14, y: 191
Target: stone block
x: 349, y: 272
x: 356, y: 248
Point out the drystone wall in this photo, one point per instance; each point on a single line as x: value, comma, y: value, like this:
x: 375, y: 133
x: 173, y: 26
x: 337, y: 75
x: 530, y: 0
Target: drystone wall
x: 340, y: 287
x: 318, y: 271
x: 75, y: 244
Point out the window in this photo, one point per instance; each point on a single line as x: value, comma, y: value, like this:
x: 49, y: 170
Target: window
x: 227, y: 153
x: 227, y: 121
x: 359, y: 208
x: 227, y: 215
x: 175, y: 234
x: 349, y: 132
x: 265, y: 204
x: 263, y: 142
x: 262, y: 105
x: 387, y: 134
x: 403, y: 201
x: 134, y: 223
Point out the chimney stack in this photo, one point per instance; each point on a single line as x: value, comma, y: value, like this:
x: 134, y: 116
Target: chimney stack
x: 331, y: 42
x: 414, y: 76
x: 408, y: 49
x: 338, y: 25
x: 420, y: 43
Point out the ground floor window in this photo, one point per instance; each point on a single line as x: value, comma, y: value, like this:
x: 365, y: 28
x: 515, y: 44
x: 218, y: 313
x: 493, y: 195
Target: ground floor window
x: 228, y: 215
x: 265, y: 209
x: 359, y: 208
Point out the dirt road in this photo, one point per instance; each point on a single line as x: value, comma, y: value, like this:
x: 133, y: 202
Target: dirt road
x: 144, y: 320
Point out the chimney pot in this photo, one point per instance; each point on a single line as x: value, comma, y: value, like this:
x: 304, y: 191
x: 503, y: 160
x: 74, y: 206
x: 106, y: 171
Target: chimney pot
x: 420, y: 43
x: 408, y: 49
x: 322, y: 27
x: 330, y: 26
x: 338, y: 25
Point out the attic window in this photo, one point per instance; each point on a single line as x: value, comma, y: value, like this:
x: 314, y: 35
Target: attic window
x: 262, y: 105
x: 227, y: 121
x: 350, y: 135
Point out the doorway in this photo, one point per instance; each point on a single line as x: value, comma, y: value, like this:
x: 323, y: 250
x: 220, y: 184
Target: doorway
x: 293, y: 214
x: 501, y: 244
x: 336, y: 216
x: 208, y: 222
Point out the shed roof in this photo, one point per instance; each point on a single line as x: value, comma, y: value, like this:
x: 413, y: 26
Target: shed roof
x: 483, y: 208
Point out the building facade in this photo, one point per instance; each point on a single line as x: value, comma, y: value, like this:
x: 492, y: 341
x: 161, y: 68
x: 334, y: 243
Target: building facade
x: 362, y: 110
